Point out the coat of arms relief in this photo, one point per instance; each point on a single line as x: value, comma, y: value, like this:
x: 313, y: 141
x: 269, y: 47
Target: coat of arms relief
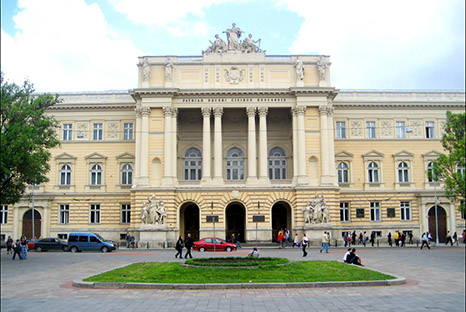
x: 234, y: 75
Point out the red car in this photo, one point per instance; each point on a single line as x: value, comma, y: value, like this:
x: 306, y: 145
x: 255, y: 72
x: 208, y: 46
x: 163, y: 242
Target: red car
x: 209, y: 242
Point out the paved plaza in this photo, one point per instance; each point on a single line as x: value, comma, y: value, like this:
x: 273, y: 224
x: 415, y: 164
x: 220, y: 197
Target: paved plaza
x: 435, y: 282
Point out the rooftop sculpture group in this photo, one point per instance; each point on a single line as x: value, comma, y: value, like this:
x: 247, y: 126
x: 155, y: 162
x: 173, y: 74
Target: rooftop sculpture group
x: 248, y: 45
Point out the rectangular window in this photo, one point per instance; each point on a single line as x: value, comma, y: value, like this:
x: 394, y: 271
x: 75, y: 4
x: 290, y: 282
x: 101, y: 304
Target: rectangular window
x: 430, y: 130
x: 370, y: 129
x: 400, y: 130
x: 128, y: 131
x: 344, y: 212
x: 98, y: 131
x: 405, y: 211
x: 67, y: 132
x: 4, y: 214
x: 125, y: 214
x: 95, y: 214
x: 341, y: 129
x: 64, y: 214
x: 375, y: 211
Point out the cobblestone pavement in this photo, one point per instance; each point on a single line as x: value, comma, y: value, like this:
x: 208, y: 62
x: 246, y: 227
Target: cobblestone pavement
x: 436, y: 282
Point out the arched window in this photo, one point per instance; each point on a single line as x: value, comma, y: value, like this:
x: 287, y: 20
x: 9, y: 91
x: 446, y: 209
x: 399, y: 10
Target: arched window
x: 235, y: 164
x: 403, y: 172
x: 127, y: 175
x: 430, y: 172
x: 277, y: 164
x: 373, y: 172
x: 342, y: 172
x: 65, y: 173
x: 192, y: 164
x: 96, y: 175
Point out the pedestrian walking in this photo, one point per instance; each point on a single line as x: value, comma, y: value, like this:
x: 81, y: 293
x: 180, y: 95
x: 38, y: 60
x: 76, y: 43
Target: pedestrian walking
x: 287, y: 237
x: 410, y: 238
x: 9, y: 244
x: 132, y: 241
x: 397, y: 238
x: 325, y: 242
x: 188, y: 243
x: 280, y: 239
x: 345, y: 238
x: 449, y: 240
x: 372, y: 238
x: 455, y: 238
x: 366, y: 238
x: 425, y: 240
x: 402, y: 239
x: 179, y: 247
x: 128, y: 239
x: 296, y: 241
x: 238, y: 243
x: 390, y: 239
x: 361, y: 238
x: 463, y: 236
x: 304, y: 244
x: 17, y: 249
x: 353, y: 237
x: 24, y: 250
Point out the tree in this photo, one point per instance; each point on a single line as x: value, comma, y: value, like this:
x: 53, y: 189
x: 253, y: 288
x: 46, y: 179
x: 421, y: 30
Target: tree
x: 450, y: 167
x: 27, y: 134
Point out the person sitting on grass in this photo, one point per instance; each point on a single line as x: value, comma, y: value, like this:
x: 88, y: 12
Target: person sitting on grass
x: 353, y: 258
x: 253, y: 253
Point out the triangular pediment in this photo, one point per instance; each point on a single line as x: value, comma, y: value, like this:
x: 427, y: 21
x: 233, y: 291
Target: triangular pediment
x: 403, y: 153
x: 345, y: 154
x: 96, y: 155
x: 432, y: 153
x: 125, y: 156
x: 373, y: 153
x: 65, y: 156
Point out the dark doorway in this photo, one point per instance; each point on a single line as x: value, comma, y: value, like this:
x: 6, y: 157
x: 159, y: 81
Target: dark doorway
x: 281, y: 219
x: 27, y: 224
x: 190, y: 216
x: 442, y: 223
x: 235, y: 219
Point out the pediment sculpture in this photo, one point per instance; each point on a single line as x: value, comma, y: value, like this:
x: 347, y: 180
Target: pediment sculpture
x: 153, y: 211
x: 316, y: 211
x: 248, y: 45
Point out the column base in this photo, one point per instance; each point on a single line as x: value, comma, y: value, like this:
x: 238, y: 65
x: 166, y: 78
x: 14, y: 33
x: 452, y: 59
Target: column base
x: 143, y: 181
x: 302, y: 180
x: 328, y: 180
x: 218, y: 181
x: 206, y: 181
x: 167, y: 181
x: 252, y: 181
x: 264, y: 181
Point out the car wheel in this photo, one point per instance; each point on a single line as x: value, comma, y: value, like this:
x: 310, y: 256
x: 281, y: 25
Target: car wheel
x: 104, y: 249
x: 201, y: 249
x: 64, y: 248
x: 228, y: 249
x: 73, y: 249
x: 38, y: 249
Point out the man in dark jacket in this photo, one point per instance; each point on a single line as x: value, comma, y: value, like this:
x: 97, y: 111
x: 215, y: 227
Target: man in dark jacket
x: 188, y: 243
x: 17, y: 249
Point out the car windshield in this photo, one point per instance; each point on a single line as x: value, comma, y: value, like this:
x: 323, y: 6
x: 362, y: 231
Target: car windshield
x: 99, y: 237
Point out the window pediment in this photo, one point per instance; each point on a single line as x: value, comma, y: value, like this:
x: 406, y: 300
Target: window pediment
x: 65, y: 156
x: 373, y: 154
x: 432, y: 154
x: 95, y: 156
x: 344, y: 155
x: 404, y: 154
x: 125, y: 156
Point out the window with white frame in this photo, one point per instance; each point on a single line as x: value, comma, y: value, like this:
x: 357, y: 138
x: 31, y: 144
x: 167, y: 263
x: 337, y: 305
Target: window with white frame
x: 277, y: 164
x: 373, y: 172
x: 430, y: 172
x: 370, y: 129
x: 341, y: 129
x: 95, y: 214
x: 125, y: 214
x: 405, y: 211
x: 344, y: 212
x: 98, y: 131
x: 375, y: 211
x: 127, y: 174
x: 342, y: 170
x: 65, y: 175
x: 235, y: 164
x: 96, y: 175
x: 400, y: 130
x: 67, y: 132
x: 64, y: 214
x: 128, y: 131
x: 4, y: 214
x: 192, y: 164
x: 403, y: 172
x: 430, y: 129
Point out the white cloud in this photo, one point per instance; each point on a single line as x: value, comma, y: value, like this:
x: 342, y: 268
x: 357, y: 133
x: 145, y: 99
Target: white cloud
x: 382, y: 44
x: 66, y: 45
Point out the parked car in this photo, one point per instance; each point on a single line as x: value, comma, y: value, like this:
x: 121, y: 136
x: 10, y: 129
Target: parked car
x: 31, y: 243
x: 89, y: 241
x: 209, y: 242
x: 49, y: 244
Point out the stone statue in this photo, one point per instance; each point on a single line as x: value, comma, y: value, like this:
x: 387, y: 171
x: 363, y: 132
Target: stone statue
x: 325, y: 213
x: 146, y: 69
x: 218, y: 46
x: 169, y: 70
x: 249, y: 45
x: 322, y: 66
x: 153, y: 211
x: 299, y: 66
x: 233, y: 35
x: 308, y: 213
x: 316, y: 211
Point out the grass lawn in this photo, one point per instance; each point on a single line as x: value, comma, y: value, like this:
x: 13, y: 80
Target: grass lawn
x: 294, y: 271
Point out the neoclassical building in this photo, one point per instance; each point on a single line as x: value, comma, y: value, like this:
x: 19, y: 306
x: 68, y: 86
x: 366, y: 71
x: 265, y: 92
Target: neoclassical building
x: 247, y: 140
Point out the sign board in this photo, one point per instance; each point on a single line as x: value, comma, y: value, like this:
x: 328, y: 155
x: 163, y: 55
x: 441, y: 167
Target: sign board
x: 258, y: 218
x: 211, y: 219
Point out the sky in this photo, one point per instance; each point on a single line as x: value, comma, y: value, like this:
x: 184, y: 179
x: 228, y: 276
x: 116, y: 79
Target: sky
x: 93, y: 45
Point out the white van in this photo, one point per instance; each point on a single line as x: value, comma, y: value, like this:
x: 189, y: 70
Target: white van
x: 88, y: 241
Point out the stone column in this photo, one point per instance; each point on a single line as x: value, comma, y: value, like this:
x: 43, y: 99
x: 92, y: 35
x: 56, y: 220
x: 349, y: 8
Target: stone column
x: 174, y: 173
x: 252, y: 162
x: 302, y: 176
x: 295, y: 145
x: 167, y: 149
x: 138, y: 138
x: 324, y: 145
x: 331, y: 146
x: 263, y: 168
x: 144, y: 163
x: 218, y: 146
x: 206, y: 154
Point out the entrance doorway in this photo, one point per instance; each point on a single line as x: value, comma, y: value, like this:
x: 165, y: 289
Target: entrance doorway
x: 442, y: 223
x: 189, y: 219
x: 27, y: 224
x: 281, y: 219
x: 235, y: 221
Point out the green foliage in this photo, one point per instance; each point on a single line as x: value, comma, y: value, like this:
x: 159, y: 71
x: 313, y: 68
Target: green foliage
x: 27, y: 134
x: 447, y: 166
x: 294, y: 272
x: 237, y: 261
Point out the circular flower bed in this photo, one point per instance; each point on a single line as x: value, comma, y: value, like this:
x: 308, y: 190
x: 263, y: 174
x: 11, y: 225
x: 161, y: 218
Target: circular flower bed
x: 236, y: 262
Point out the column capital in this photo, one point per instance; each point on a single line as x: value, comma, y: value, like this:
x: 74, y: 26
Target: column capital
x: 218, y: 111
x: 299, y: 110
x: 323, y: 110
x: 206, y: 111
x: 143, y: 111
x: 169, y: 111
x: 251, y: 111
x: 263, y: 111
x: 330, y: 111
